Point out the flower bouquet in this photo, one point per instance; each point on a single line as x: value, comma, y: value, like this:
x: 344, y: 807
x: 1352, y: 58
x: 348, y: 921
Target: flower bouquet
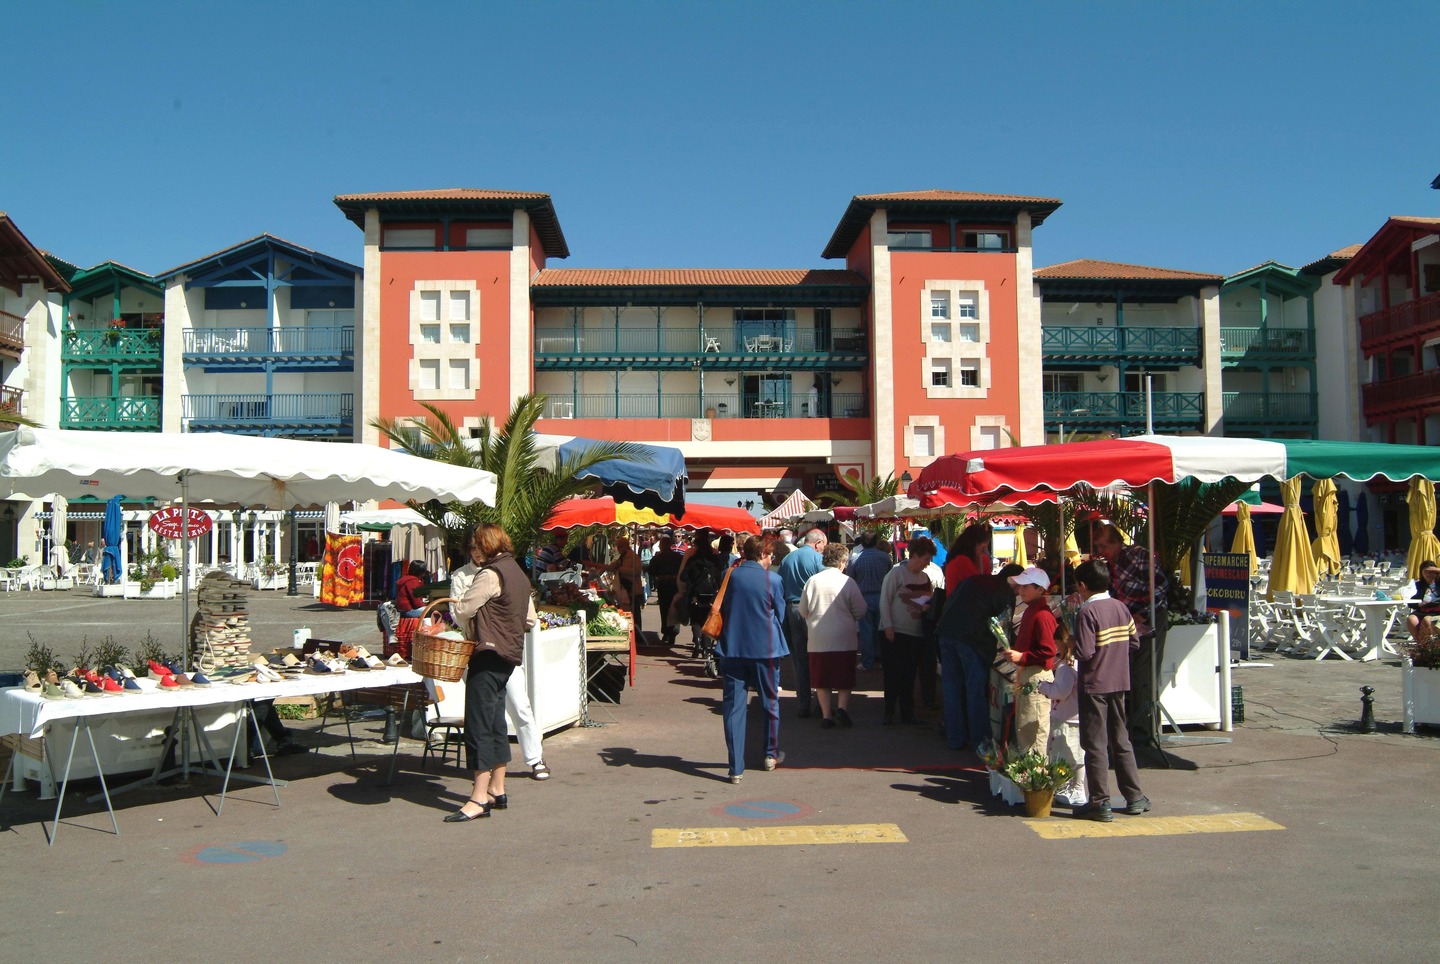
x: 1037, y: 776
x: 993, y: 756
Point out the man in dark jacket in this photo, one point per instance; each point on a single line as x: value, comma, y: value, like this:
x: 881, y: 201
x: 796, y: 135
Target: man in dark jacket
x: 967, y: 651
x: 664, y: 567
x: 1105, y: 638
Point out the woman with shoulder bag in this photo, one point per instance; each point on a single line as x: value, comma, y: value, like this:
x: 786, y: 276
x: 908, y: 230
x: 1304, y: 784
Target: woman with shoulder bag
x: 494, y: 608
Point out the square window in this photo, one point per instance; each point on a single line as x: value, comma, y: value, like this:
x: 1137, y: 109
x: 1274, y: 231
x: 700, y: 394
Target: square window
x: 922, y: 441
x: 430, y: 334
x: 986, y: 240
x: 939, y: 304
x: 940, y: 373
x: 940, y: 331
x: 970, y: 333
x: 460, y: 334
x: 908, y: 239
x: 429, y: 306
x: 459, y: 306
x: 965, y: 307
x: 989, y: 437
x: 970, y: 374
x: 459, y: 370
x: 414, y: 238
x: 429, y: 374
x: 487, y: 237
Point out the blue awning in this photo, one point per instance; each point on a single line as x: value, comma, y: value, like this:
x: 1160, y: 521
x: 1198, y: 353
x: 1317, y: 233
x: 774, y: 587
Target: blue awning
x: 657, y: 485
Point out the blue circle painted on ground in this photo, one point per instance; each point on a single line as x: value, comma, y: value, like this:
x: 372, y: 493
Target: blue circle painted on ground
x: 247, y: 851
x: 762, y: 810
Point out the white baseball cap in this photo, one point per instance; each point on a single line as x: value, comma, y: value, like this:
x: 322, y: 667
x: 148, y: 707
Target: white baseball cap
x: 1034, y: 576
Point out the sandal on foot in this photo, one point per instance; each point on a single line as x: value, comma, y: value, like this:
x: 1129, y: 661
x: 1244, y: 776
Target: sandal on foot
x: 501, y: 802
x: 460, y: 816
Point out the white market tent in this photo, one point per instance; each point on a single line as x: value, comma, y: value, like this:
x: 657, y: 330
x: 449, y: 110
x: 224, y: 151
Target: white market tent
x: 787, y: 512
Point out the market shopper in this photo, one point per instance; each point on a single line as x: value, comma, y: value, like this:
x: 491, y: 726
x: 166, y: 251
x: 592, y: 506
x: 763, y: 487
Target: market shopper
x: 796, y: 570
x: 831, y: 605
x: 967, y: 651
x: 495, y: 609
x: 969, y: 554
x: 1105, y: 638
x: 629, y: 573
x: 1034, y: 654
x: 905, y: 597
x: 664, y: 568
x: 868, y: 568
x: 699, y: 581
x: 1130, y: 571
x: 749, y: 650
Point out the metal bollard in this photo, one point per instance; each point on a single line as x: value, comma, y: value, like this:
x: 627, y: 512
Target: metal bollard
x: 1367, y: 709
x: 390, y: 729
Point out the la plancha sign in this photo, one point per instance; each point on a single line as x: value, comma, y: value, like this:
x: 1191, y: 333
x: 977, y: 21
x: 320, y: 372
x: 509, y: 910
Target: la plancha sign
x: 167, y: 522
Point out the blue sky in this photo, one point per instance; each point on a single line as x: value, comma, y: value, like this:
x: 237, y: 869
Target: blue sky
x: 1204, y: 136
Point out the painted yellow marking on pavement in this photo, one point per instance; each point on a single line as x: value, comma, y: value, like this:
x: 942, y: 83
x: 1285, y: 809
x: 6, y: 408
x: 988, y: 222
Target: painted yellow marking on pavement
x: 843, y: 833
x: 1123, y: 826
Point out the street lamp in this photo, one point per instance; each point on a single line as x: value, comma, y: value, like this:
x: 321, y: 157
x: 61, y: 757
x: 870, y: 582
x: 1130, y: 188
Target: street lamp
x: 905, y: 480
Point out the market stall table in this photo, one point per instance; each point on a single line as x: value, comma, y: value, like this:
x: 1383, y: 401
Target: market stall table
x: 28, y: 715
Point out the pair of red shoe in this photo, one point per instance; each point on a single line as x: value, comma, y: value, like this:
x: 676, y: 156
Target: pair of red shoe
x: 169, y: 679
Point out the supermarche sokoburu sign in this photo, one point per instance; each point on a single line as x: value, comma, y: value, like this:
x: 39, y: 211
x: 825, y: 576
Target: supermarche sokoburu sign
x: 1227, y: 589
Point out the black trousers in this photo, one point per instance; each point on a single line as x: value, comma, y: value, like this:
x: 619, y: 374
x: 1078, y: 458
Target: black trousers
x: 665, y: 590
x: 926, y: 669
x: 487, y: 745
x: 899, y: 659
x: 797, y: 635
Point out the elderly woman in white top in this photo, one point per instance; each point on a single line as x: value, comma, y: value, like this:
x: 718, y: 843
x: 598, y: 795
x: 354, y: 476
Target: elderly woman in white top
x: 832, y: 605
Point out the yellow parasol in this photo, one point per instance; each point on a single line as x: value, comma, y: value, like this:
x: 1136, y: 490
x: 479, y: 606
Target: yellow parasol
x: 1022, y: 558
x: 1326, y: 547
x: 1292, y: 567
x: 1244, y: 540
x: 1424, y: 547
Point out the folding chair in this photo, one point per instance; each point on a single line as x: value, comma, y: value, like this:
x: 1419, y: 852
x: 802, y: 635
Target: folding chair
x: 445, y: 714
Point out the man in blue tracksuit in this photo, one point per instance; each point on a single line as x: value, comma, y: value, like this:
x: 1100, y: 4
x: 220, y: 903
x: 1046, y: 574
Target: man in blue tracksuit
x: 748, y: 653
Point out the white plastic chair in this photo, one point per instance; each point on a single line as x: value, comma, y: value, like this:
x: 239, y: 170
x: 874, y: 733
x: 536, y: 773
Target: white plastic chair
x: 445, y: 713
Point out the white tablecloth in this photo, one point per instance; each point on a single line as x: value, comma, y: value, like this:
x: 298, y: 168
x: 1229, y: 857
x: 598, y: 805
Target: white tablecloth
x: 27, y: 713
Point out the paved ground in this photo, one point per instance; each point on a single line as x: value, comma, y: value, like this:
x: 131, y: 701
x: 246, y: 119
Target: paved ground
x: 358, y: 870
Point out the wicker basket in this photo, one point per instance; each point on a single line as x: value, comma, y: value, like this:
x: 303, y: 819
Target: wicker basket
x: 438, y: 658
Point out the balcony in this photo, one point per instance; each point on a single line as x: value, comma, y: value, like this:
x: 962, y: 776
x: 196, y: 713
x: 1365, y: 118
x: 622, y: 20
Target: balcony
x: 1105, y: 344
x: 126, y: 413
x: 1270, y: 408
x: 1401, y: 323
x: 282, y: 349
x: 1266, y: 344
x: 307, y: 413
x: 732, y: 405
x: 684, y: 346
x: 103, y: 347
x: 1403, y: 394
x: 12, y: 334
x: 1111, y: 411
x: 12, y: 401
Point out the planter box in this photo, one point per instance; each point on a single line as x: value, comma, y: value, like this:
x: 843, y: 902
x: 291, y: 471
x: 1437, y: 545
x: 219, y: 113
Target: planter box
x: 113, y: 590
x: 1421, y: 689
x: 163, y: 589
x: 277, y: 581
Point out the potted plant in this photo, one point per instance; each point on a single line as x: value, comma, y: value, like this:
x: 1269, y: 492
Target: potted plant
x: 1037, y: 776
x: 268, y: 573
x: 993, y: 756
x: 112, y: 333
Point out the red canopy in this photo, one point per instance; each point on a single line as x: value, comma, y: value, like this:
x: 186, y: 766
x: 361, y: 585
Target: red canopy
x: 604, y: 512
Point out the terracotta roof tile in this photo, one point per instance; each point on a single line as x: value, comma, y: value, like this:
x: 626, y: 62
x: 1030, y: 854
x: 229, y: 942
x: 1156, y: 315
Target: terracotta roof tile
x: 936, y: 194
x: 1087, y: 269
x: 693, y: 277
x: 445, y: 194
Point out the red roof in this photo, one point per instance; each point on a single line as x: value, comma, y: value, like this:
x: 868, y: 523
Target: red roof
x: 461, y: 200
x: 692, y: 277
x: 445, y: 194
x: 935, y: 194
x: 1088, y: 269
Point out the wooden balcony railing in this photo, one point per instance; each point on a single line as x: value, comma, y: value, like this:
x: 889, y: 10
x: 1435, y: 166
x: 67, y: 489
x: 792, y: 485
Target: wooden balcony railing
x: 1270, y: 407
x: 125, y: 413
x: 12, y: 401
x: 711, y: 405
x: 1408, y: 320
x: 12, y: 334
x: 314, y: 413
x: 85, y: 345
x: 1402, y: 393
x: 1106, y: 343
x: 1110, y: 409
x: 1236, y: 343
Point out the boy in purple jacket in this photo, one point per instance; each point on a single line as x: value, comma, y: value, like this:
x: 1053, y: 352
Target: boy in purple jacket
x: 1105, y: 637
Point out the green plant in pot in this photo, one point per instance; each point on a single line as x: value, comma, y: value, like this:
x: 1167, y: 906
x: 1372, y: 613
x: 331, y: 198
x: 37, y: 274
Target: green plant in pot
x: 1424, y: 653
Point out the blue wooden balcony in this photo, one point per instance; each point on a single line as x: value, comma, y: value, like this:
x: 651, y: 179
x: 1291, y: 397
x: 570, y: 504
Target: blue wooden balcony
x: 728, y: 405
x: 303, y: 413
x: 280, y: 349
x: 1270, y: 408
x: 125, y: 413
x: 1105, y: 344
x: 661, y: 346
x: 1238, y: 345
x: 1112, y: 411
x: 103, y: 347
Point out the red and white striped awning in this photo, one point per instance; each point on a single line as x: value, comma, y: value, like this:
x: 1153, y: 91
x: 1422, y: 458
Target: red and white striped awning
x: 787, y: 512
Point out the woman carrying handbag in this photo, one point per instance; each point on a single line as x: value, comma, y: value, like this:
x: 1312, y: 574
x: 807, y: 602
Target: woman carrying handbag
x: 751, y: 643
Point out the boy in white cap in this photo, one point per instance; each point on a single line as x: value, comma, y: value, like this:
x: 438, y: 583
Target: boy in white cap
x: 1034, y: 653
